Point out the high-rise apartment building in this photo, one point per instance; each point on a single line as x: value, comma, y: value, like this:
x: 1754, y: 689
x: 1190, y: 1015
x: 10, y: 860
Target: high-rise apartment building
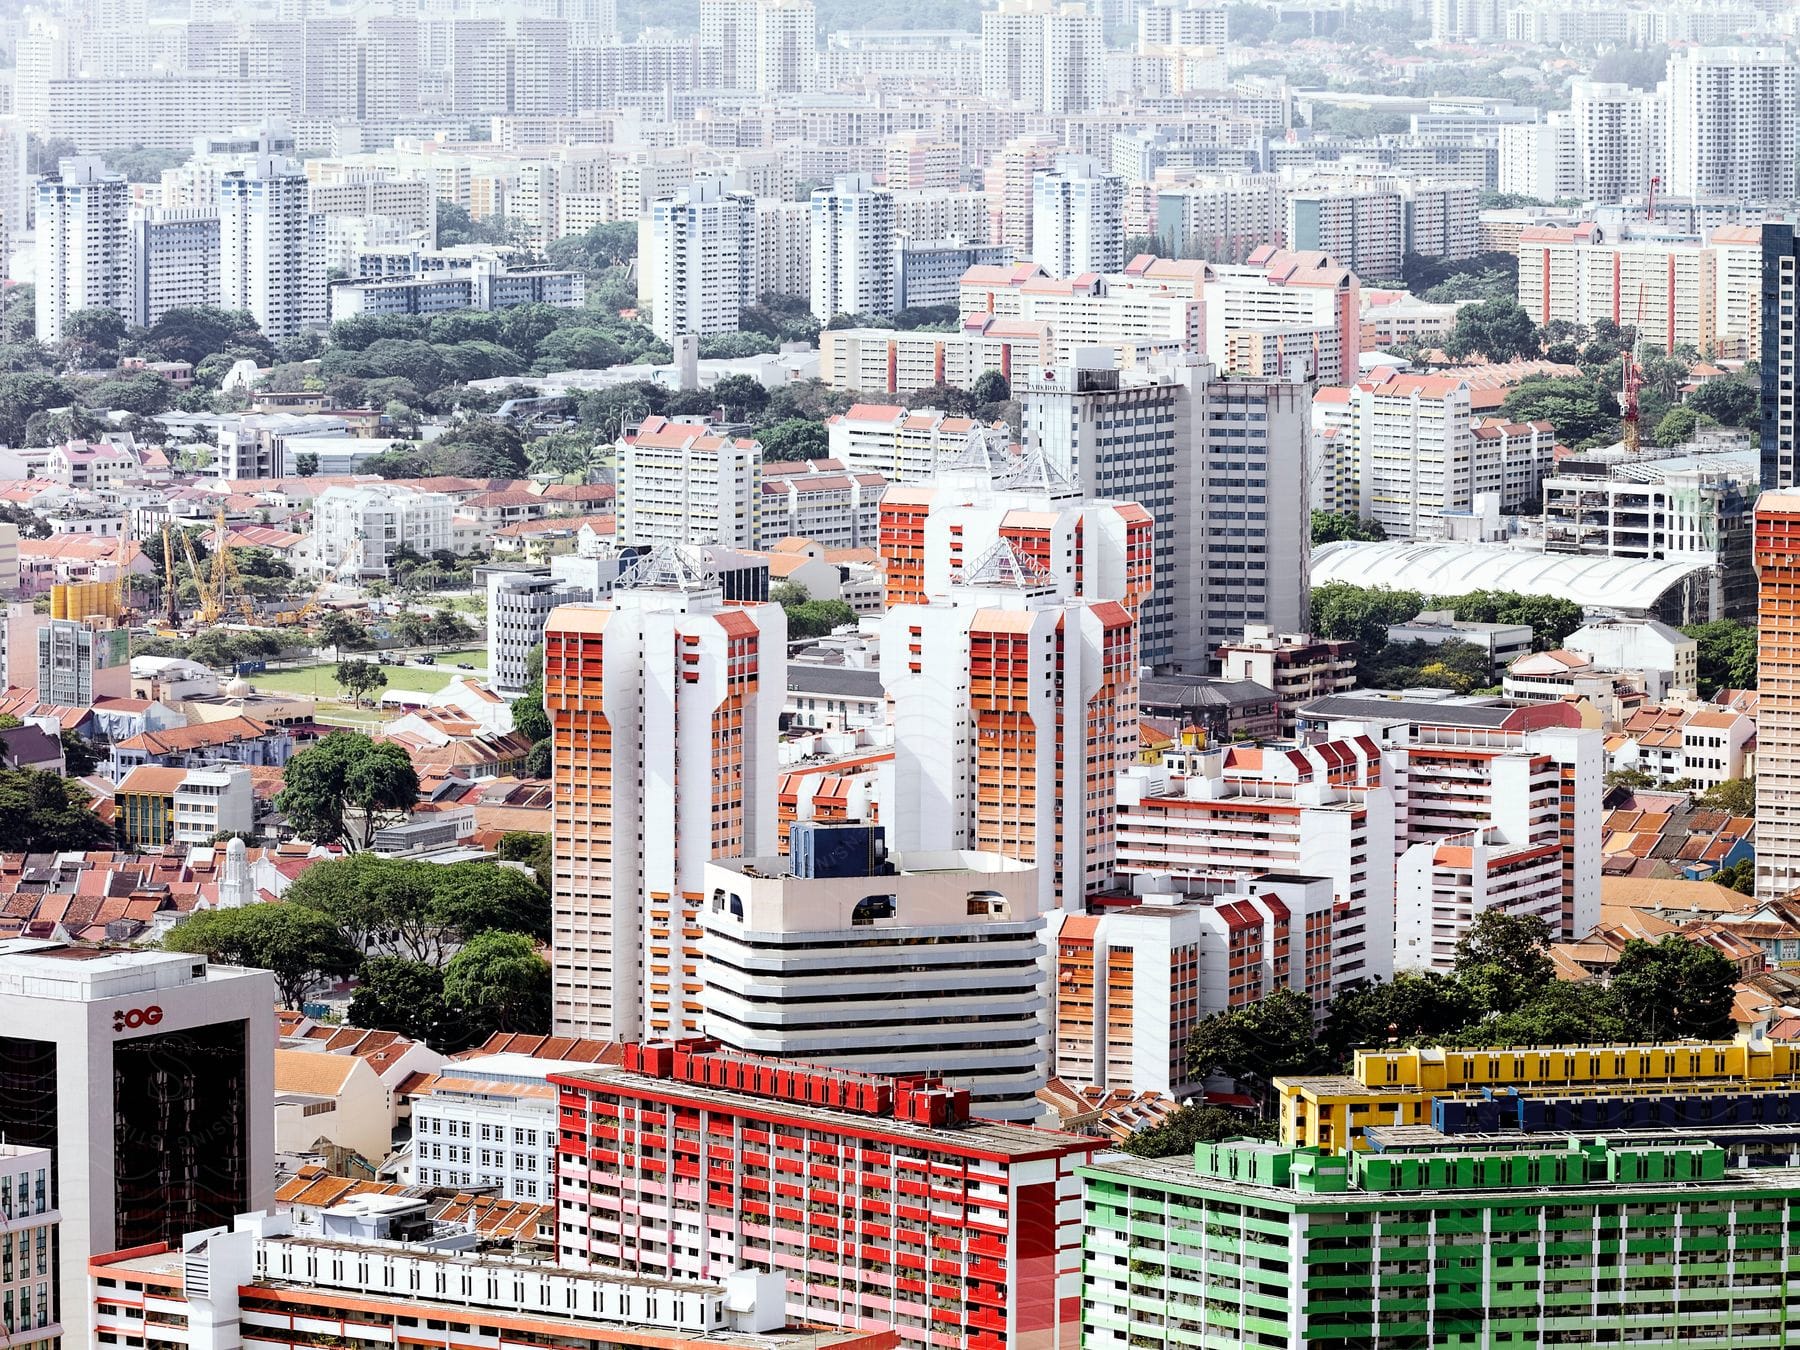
x: 1077, y: 218
x: 360, y: 68
x: 1013, y: 711
x: 697, y: 260
x: 1733, y: 116
x: 174, y: 261
x: 1214, y: 462
x: 1541, y: 159
x: 1777, y: 555
x: 853, y: 249
x: 267, y: 266
x: 664, y: 721
x: 518, y: 64
x: 148, y: 1076
x: 683, y: 483
x: 767, y: 46
x: 83, y: 244
x: 1668, y: 291
x: 1619, y: 133
x: 1780, y: 312
x: 1013, y: 179
x: 1046, y: 55
x: 778, y: 931
x: 990, y: 1263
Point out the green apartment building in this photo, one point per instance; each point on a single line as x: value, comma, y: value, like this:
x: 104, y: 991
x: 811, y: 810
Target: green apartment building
x: 1491, y: 1242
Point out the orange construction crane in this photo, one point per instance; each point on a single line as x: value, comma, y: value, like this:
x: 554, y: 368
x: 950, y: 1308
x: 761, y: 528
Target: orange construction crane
x: 1633, y: 381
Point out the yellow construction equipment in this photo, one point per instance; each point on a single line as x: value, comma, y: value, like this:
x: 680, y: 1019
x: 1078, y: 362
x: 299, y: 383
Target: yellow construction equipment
x: 227, y: 583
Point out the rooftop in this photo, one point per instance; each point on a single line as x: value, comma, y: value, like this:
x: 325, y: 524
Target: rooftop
x: 1609, y: 584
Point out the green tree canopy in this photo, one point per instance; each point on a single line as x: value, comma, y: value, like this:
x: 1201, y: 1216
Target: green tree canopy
x: 817, y: 618
x: 1175, y: 1135
x: 499, y: 980
x: 46, y: 813
x: 360, y: 678
x: 394, y: 993
x: 1726, y: 653
x: 1330, y: 526
x: 1496, y: 329
x: 346, y: 787
x: 1259, y: 1042
x: 301, y: 948
x: 1672, y: 988
x: 529, y: 718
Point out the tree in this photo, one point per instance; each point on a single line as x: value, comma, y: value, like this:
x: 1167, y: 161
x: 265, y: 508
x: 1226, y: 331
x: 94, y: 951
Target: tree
x: 1580, y: 408
x: 1675, y: 987
x: 23, y: 396
x: 1361, y: 614
x: 603, y: 246
x: 345, y: 788
x: 1258, y: 1043
x: 1412, y: 1007
x: 1676, y: 427
x: 540, y: 760
x: 1502, y: 960
x: 1740, y: 876
x: 192, y: 333
x: 93, y: 331
x: 1736, y: 796
x: 360, y: 678
x: 306, y: 464
x: 817, y: 618
x: 477, y: 897
x: 341, y: 632
x: 1727, y: 654
x: 46, y: 813
x: 397, y: 994
x: 530, y: 848
x: 1557, y: 1013
x: 79, y: 757
x: 742, y: 396
x: 794, y: 439
x: 1731, y: 403
x: 1176, y: 1133
x: 1497, y: 329
x: 299, y: 947
x: 499, y: 980
x: 785, y: 593
x: 1550, y: 618
x: 529, y: 718
x: 1330, y: 526
x: 990, y: 387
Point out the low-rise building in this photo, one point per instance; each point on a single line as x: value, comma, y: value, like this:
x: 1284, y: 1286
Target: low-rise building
x: 358, y: 530
x: 1502, y: 643
x: 1297, y: 666
x: 489, y: 1122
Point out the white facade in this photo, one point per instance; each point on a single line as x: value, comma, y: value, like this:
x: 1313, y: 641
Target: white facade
x: 651, y: 706
x: 696, y: 260
x: 853, y: 249
x: 681, y: 483
x: 1733, y: 116
x: 489, y: 1122
x: 974, y: 1014
x: 266, y: 265
x: 92, y: 1035
x: 28, y: 1241
x: 357, y: 530
x: 1045, y: 55
x: 214, y: 801
x: 1541, y: 159
x: 1078, y: 218
x: 83, y: 245
x: 1619, y: 138
x: 518, y: 607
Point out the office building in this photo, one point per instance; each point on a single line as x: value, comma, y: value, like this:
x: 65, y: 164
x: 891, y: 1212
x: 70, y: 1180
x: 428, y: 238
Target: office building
x: 358, y: 530
x: 1077, y: 218
x: 174, y: 261
x: 1234, y: 816
x: 696, y: 260
x: 664, y: 732
x: 1043, y: 55
x: 853, y: 249
x: 489, y: 1121
x: 683, y: 483
x: 266, y: 266
x: 518, y: 608
x: 30, y: 1283
x: 1214, y: 461
x: 1617, y: 1238
x: 213, y: 800
x: 1733, y: 111
x: 1778, y: 680
x: 1132, y: 982
x: 147, y: 1075
x: 83, y: 245
x: 775, y: 981
x: 991, y: 1262
x: 385, y: 1261
x: 1013, y: 711
x: 77, y: 660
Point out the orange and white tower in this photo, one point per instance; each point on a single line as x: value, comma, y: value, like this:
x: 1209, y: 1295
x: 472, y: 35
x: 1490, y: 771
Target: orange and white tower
x: 664, y: 709
x: 1014, y: 710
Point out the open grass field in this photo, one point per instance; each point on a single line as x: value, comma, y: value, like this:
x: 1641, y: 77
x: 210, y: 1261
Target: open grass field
x: 320, y: 681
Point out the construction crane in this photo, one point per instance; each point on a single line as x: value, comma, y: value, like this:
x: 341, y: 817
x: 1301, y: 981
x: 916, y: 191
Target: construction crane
x: 310, y: 607
x: 1632, y: 379
x: 171, y: 591
x: 1655, y: 183
x: 227, y: 582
